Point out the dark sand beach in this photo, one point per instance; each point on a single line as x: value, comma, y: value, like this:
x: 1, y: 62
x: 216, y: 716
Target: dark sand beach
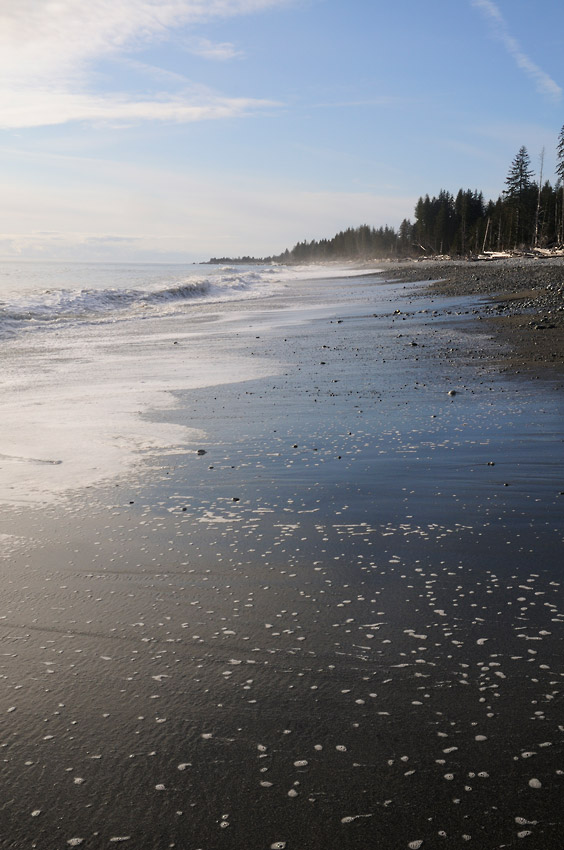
x: 521, y: 298
x: 336, y: 622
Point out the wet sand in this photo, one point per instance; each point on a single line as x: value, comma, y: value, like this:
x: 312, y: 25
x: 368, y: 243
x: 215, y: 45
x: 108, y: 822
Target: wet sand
x: 521, y: 299
x: 339, y: 624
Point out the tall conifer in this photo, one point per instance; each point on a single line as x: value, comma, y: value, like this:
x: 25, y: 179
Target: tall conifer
x: 519, y: 182
x: 560, y: 172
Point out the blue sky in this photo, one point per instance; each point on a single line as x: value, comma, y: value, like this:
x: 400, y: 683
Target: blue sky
x: 176, y: 129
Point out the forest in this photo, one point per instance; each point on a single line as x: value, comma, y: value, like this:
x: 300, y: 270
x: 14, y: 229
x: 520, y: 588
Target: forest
x: 528, y: 214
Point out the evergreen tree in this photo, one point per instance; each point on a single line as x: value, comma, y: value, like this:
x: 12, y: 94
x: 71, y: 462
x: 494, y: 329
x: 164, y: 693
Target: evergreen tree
x: 547, y: 232
x: 520, y: 175
x: 423, y: 221
x: 526, y: 212
x: 405, y: 237
x: 520, y: 196
x: 560, y: 173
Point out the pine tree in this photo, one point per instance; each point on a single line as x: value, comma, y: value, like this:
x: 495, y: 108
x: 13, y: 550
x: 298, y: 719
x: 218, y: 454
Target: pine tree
x: 519, y: 193
x: 520, y: 175
x: 560, y: 173
x: 405, y: 236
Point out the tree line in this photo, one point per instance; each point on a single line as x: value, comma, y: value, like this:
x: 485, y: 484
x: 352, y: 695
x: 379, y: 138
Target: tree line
x: 529, y: 213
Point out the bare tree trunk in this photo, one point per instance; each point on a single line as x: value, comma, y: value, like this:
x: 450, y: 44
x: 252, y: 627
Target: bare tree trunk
x: 562, y: 218
x: 486, y: 236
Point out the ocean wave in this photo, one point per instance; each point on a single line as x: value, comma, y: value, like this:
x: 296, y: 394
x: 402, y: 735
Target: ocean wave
x: 116, y: 293
x: 53, y: 307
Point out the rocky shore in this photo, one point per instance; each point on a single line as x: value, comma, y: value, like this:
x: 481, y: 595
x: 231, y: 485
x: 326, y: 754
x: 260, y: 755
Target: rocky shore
x: 523, y: 302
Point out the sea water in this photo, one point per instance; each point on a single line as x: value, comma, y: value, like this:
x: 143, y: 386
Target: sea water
x: 89, y: 351
x: 40, y: 296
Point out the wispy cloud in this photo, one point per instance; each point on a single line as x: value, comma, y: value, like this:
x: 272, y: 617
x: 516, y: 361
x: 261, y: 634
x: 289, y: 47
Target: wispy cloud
x: 221, y: 51
x: 544, y: 83
x: 48, y: 52
x: 382, y: 100
x: 41, y: 108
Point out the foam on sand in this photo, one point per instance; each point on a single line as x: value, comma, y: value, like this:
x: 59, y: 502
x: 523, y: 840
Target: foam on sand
x: 90, y: 354
x: 76, y: 408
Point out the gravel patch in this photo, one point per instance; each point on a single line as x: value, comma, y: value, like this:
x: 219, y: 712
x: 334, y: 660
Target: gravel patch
x: 523, y: 303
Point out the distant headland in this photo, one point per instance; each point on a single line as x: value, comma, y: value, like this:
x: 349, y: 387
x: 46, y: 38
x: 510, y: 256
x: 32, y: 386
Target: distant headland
x: 528, y: 215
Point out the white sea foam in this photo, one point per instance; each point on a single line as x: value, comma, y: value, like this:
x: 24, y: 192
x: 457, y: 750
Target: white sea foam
x: 47, y: 296
x: 75, y: 411
x: 104, y: 348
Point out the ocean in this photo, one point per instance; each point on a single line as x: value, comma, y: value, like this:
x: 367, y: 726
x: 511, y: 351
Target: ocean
x: 89, y: 351
x: 38, y: 296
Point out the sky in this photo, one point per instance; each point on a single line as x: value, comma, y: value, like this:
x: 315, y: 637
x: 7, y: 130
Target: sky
x: 176, y: 130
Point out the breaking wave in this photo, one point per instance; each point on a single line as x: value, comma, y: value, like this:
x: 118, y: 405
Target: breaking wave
x: 45, y: 296
x: 52, y: 307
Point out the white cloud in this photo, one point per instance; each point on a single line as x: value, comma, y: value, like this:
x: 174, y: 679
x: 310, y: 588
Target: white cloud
x: 39, y: 38
x: 40, y: 108
x: 47, y: 51
x: 211, y: 50
x: 543, y: 81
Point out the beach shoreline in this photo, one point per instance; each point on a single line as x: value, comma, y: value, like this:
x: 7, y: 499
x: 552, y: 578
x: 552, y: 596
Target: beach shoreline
x: 334, y: 621
x: 521, y: 300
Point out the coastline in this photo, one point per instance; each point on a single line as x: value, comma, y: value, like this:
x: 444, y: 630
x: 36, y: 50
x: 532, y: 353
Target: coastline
x: 334, y: 621
x: 520, y: 299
